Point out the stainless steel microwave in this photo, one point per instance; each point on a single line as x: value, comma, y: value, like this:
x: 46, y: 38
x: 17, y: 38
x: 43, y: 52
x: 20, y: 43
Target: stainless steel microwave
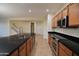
x: 65, y: 22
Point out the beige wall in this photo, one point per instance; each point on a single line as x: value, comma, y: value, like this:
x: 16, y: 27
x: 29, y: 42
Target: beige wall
x: 4, y: 27
x: 47, y: 25
x: 23, y: 24
x: 39, y: 28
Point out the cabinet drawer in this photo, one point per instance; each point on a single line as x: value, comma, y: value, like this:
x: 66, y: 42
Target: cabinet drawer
x: 60, y: 16
x: 65, y: 49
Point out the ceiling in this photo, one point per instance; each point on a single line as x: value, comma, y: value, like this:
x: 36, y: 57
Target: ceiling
x: 21, y: 10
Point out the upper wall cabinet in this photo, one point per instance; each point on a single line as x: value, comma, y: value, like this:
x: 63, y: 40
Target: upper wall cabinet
x: 54, y: 22
x: 74, y: 15
x: 56, y: 18
x: 65, y: 12
x: 60, y: 15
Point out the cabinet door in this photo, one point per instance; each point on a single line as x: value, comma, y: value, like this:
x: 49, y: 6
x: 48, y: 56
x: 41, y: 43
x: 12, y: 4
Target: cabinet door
x: 28, y: 46
x: 56, y: 18
x: 60, y: 16
x: 63, y: 50
x: 22, y: 50
x: 15, y: 53
x: 53, y: 22
x: 65, y: 12
x: 49, y: 39
x: 31, y: 42
x: 74, y: 15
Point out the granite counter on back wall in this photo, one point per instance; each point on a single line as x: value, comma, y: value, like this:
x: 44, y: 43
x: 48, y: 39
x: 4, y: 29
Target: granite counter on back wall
x: 9, y: 44
x: 69, y: 41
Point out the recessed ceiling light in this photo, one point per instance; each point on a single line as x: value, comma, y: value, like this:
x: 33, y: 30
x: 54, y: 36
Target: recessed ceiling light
x: 47, y: 10
x: 30, y: 10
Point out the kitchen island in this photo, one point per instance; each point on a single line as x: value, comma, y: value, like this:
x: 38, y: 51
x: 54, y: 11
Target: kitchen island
x: 17, y: 45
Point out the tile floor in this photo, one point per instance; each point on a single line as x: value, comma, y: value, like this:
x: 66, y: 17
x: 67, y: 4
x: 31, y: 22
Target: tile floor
x: 41, y: 47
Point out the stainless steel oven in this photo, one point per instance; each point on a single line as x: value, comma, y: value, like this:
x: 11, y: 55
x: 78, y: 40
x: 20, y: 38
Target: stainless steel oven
x: 54, y: 46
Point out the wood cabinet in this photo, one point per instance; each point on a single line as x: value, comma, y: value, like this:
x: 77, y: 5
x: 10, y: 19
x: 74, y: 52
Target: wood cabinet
x: 58, y: 48
x: 65, y: 12
x: 74, y: 15
x: 54, y: 22
x: 56, y: 18
x: 64, y: 51
x: 15, y: 53
x: 28, y: 46
x: 60, y: 16
x: 22, y: 50
x: 61, y: 52
x: 25, y: 49
x: 49, y: 39
x: 31, y: 44
x: 72, y: 11
x: 33, y: 41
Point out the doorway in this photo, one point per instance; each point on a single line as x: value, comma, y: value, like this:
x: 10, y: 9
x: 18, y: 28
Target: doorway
x: 32, y: 27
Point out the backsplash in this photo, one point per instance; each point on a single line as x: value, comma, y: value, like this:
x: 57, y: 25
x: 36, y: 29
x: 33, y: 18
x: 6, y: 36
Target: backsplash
x: 69, y: 31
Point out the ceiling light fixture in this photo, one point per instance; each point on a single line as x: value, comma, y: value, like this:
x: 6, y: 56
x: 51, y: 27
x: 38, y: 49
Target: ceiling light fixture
x: 30, y: 10
x: 47, y: 10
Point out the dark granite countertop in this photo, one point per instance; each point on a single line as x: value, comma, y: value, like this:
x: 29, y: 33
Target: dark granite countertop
x: 9, y: 44
x: 71, y: 42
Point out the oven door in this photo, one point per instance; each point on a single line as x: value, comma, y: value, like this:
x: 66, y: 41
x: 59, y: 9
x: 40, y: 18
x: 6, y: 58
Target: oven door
x: 54, y: 47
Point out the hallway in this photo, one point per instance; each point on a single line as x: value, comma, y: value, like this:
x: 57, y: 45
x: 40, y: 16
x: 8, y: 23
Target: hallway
x: 41, y: 47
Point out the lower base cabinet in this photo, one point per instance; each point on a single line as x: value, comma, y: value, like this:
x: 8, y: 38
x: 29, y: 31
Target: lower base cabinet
x: 31, y: 44
x: 22, y: 50
x: 49, y: 40
x: 61, y: 49
x: 64, y: 51
x: 25, y: 49
x: 28, y: 46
